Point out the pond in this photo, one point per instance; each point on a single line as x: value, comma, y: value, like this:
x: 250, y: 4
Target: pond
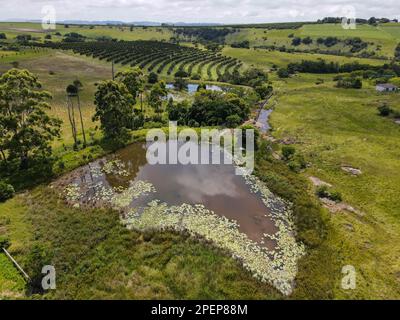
x: 236, y: 213
x: 192, y: 87
x: 215, y: 186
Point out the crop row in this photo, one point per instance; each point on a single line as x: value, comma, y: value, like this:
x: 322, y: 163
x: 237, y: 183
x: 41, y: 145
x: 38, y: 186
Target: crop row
x: 156, y: 56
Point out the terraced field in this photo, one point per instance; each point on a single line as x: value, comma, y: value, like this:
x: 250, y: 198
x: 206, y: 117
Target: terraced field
x: 154, y: 56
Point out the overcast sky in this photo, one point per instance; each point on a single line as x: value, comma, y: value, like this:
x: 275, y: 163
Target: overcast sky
x: 225, y: 11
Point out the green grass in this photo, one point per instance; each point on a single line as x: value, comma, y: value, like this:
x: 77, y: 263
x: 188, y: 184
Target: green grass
x: 96, y: 257
x: 12, y: 284
x: 266, y: 59
x: 335, y: 127
x: 12, y: 29
x: 386, y: 36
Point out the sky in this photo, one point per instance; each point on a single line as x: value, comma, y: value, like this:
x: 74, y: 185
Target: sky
x: 220, y: 11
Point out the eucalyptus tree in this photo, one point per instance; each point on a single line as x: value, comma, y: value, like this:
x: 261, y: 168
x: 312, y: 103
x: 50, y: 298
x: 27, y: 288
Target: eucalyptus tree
x: 133, y: 79
x: 27, y: 129
x: 72, y: 91
x: 157, y: 93
x: 79, y: 87
x: 113, y: 103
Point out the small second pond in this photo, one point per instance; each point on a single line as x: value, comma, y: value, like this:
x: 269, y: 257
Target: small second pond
x: 192, y: 87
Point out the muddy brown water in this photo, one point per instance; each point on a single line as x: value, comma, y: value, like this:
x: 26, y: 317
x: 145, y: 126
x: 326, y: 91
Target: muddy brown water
x: 216, y: 186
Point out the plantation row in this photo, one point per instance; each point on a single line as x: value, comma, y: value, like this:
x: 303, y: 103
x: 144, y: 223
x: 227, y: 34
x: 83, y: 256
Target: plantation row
x: 159, y: 57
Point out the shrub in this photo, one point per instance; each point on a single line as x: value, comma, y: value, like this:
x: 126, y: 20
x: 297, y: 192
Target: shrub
x: 325, y: 192
x: 288, y: 152
x: 233, y: 121
x: 296, y: 41
x: 283, y: 73
x: 384, y: 110
x: 6, y: 191
x: 181, y: 74
x: 4, y: 242
x: 195, y: 76
x: 153, y: 78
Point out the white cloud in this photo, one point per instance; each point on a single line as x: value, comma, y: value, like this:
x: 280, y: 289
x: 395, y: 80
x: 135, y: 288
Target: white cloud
x: 227, y: 11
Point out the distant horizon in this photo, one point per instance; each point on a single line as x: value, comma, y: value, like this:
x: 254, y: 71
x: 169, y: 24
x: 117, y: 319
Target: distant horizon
x: 159, y: 23
x: 204, y: 12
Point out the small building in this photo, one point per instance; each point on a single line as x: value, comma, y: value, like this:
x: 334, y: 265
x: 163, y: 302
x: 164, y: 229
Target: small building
x: 386, y: 87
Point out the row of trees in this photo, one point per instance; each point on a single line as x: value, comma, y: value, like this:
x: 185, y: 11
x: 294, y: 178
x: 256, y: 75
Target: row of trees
x: 210, y: 108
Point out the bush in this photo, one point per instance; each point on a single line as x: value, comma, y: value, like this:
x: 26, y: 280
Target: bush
x: 6, y: 191
x: 288, y: 152
x: 153, y: 78
x: 195, y: 76
x: 325, y: 192
x: 283, y: 73
x: 4, y: 242
x: 233, y: 121
x: 181, y: 74
x: 384, y: 110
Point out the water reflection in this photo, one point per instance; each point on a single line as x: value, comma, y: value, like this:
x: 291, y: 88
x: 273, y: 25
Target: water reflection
x: 215, y: 186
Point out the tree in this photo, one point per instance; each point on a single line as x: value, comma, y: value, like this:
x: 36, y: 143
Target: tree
x: 233, y: 121
x: 384, y: 110
x: 180, y: 84
x: 28, y: 128
x: 153, y: 78
x: 296, y: 41
x: 372, y: 21
x: 157, y: 93
x: 213, y: 108
x: 74, y: 89
x: 113, y: 103
x: 263, y: 90
x: 283, y: 73
x: 178, y: 112
x: 133, y: 79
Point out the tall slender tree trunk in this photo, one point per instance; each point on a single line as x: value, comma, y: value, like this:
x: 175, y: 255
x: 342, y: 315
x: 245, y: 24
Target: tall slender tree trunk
x: 70, y: 119
x: 80, y: 114
x: 73, y: 120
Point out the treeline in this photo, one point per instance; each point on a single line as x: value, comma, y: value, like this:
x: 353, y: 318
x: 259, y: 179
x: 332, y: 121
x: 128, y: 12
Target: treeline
x: 210, y: 108
x: 251, y: 77
x: 322, y: 66
x: 371, y: 20
x: 205, y: 34
x: 356, y: 43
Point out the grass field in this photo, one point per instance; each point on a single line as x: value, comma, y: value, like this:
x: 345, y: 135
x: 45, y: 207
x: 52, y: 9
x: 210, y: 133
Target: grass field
x: 331, y: 127
x: 382, y: 38
x: 124, y: 33
x: 56, y: 70
x: 335, y: 127
x: 387, y: 36
x: 266, y: 59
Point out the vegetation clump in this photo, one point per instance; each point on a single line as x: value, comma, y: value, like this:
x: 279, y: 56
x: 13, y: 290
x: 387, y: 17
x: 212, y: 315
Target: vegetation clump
x: 6, y: 191
x: 325, y: 192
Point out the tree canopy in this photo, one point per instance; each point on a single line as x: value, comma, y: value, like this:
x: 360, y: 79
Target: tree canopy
x: 114, y: 105
x: 26, y: 129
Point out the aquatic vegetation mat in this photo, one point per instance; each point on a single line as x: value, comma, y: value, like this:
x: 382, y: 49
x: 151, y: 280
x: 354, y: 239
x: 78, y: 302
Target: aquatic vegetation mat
x: 277, y: 266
